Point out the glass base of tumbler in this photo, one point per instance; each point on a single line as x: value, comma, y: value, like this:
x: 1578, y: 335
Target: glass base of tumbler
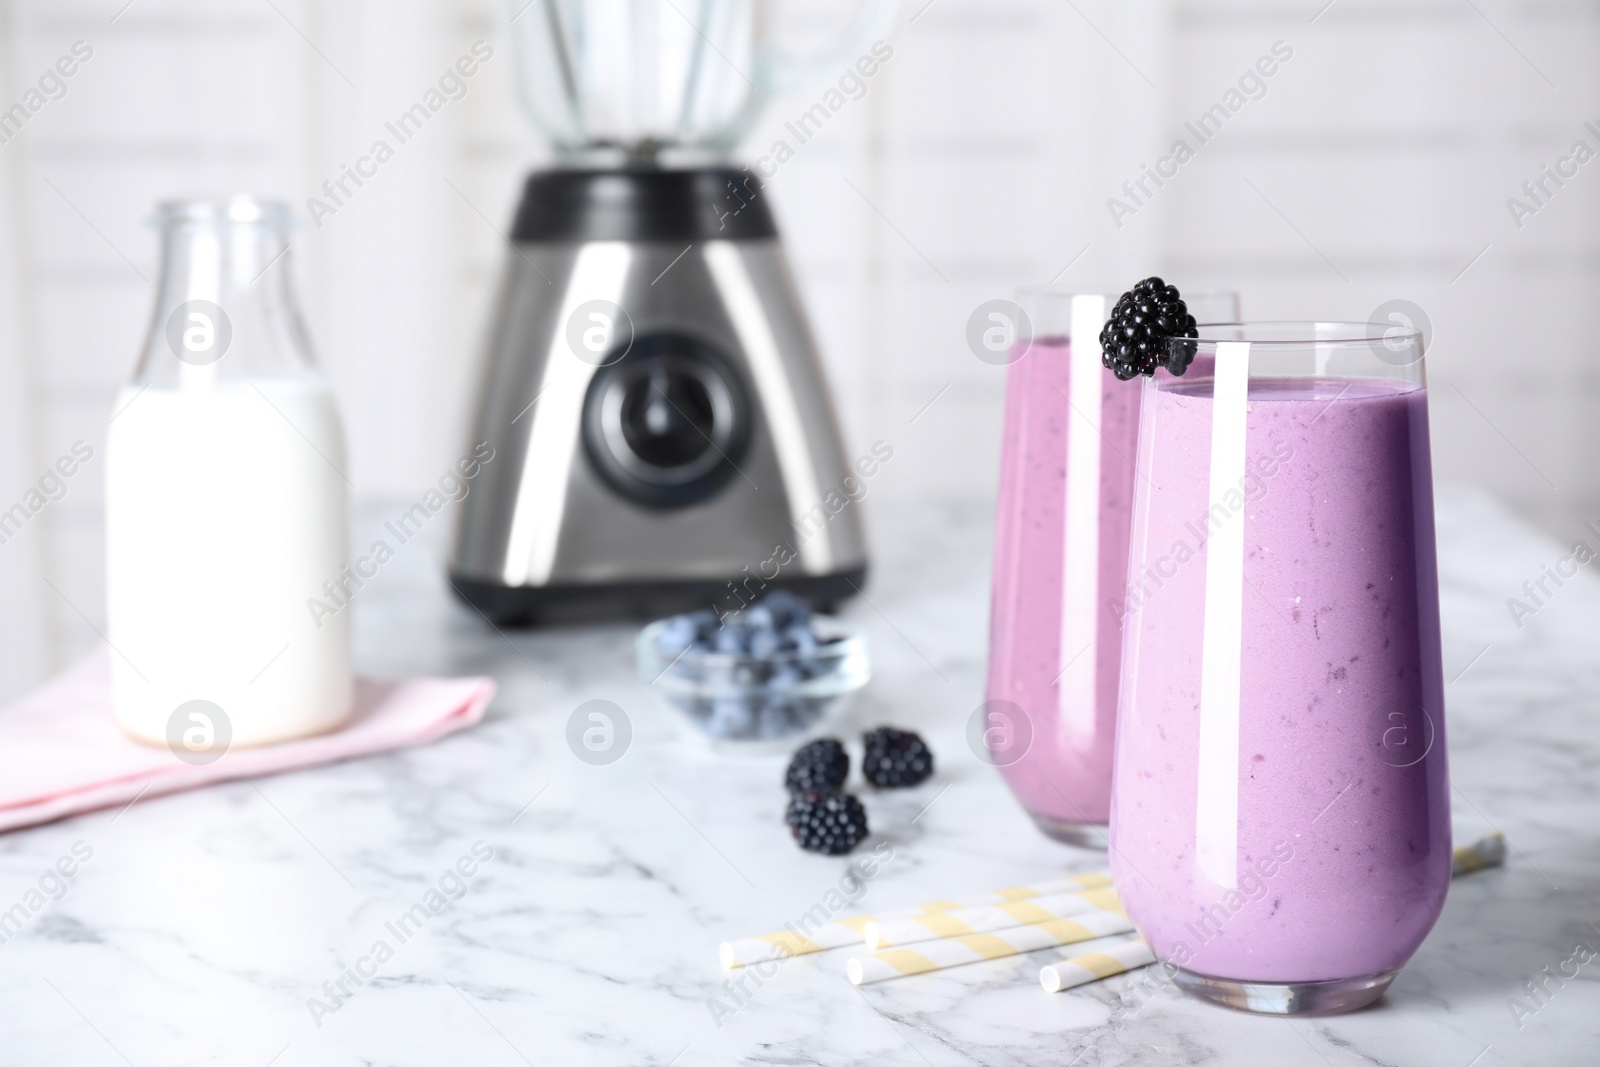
x: 1287, y: 998
x: 1082, y: 834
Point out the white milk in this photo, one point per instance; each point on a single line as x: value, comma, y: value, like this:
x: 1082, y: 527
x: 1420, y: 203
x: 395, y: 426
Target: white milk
x: 225, y: 512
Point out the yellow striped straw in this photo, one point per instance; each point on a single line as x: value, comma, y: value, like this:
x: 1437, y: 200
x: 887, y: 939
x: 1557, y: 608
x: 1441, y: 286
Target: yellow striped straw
x: 1485, y: 852
x: 805, y: 935
x: 1093, y: 966
x: 974, y: 948
x: 889, y: 933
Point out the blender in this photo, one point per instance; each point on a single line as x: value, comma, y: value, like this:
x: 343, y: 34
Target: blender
x: 662, y: 431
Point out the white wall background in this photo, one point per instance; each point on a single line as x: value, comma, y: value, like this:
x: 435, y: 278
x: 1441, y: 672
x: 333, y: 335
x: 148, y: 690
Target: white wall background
x: 1376, y: 166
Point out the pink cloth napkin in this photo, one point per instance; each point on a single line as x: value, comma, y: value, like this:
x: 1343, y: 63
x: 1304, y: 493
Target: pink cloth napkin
x: 61, y: 752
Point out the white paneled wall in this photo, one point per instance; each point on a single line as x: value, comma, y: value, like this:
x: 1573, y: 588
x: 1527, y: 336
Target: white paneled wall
x: 1388, y: 148
x: 1375, y: 166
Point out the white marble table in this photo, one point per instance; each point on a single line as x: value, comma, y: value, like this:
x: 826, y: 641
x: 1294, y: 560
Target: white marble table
x: 204, y: 923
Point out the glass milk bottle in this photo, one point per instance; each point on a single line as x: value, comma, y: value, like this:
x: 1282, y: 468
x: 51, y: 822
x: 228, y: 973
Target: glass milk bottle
x: 225, y: 500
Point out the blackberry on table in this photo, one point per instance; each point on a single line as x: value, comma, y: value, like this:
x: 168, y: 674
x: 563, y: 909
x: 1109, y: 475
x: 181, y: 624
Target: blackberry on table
x: 829, y: 823
x: 821, y: 766
x: 894, y: 759
x: 1135, y: 340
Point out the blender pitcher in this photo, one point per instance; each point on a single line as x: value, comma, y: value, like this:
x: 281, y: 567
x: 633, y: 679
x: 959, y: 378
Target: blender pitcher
x: 635, y: 78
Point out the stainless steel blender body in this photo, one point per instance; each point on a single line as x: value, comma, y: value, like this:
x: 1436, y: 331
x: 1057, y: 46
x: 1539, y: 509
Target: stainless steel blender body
x: 662, y: 433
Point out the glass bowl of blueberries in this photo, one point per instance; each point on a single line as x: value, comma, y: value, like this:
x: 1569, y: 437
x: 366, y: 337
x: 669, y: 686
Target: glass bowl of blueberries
x: 771, y: 672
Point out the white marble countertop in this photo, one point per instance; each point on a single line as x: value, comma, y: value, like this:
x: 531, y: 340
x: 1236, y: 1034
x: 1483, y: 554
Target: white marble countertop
x: 203, y: 924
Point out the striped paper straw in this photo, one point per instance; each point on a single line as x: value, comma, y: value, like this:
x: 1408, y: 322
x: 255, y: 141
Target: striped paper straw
x: 1485, y: 852
x: 889, y: 933
x: 744, y: 951
x: 837, y: 933
x: 974, y: 948
x: 1093, y: 966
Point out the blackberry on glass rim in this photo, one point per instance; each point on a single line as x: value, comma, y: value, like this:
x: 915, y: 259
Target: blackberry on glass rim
x: 1134, y: 339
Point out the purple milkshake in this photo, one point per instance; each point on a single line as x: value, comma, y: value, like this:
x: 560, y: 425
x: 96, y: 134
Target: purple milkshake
x: 1060, y: 563
x: 1280, y: 823
x: 1046, y: 599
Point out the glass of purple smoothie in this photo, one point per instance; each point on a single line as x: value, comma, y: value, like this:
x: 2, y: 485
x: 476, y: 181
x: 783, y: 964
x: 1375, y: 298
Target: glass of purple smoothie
x: 1280, y: 825
x: 1060, y: 563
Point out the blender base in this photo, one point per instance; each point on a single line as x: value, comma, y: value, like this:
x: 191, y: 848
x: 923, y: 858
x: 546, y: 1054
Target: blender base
x: 528, y: 606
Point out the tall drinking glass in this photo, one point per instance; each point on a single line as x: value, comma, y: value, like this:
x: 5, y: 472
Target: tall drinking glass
x: 1061, y: 560
x: 1280, y: 826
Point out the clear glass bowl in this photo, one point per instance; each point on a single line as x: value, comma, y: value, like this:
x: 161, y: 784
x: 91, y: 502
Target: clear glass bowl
x: 750, y: 698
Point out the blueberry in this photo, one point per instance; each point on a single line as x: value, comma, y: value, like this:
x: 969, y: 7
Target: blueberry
x: 677, y: 634
x: 808, y: 669
x: 748, y: 675
x: 730, y: 717
x: 734, y: 637
x: 764, y: 643
x: 786, y: 608
x: 786, y: 676
x: 705, y: 625
x: 760, y: 618
x: 799, y: 638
